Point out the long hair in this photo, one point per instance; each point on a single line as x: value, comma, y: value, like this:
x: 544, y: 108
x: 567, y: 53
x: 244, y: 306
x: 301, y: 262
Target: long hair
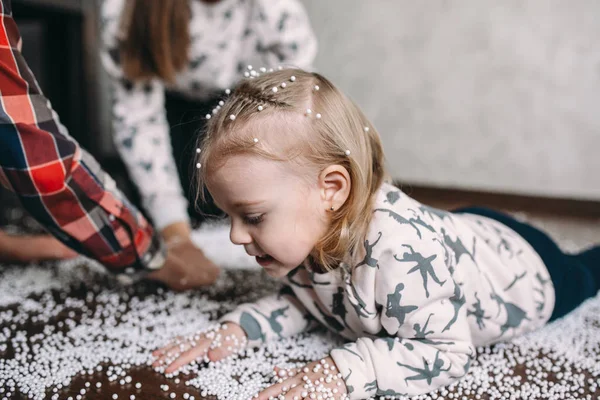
x: 156, y: 38
x: 317, y: 142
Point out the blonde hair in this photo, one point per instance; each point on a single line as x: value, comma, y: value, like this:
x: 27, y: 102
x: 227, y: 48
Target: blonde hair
x: 320, y: 142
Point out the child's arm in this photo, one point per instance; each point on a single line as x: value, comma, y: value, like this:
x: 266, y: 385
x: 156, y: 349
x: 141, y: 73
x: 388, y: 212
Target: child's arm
x: 429, y: 343
x: 272, y: 317
x: 284, y: 33
x: 250, y: 324
x: 395, y: 367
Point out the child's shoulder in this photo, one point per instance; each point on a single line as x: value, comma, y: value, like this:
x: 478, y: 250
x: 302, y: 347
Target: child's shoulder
x: 395, y: 215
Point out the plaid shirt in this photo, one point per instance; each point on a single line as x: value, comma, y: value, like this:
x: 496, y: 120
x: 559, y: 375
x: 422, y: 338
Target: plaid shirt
x: 57, y: 181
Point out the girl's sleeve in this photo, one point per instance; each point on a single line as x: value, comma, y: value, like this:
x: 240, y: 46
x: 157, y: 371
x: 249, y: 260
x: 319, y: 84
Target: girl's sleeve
x: 285, y: 35
x: 141, y: 131
x: 272, y: 317
x: 429, y: 342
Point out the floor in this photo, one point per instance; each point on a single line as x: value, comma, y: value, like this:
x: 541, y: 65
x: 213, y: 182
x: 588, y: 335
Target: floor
x: 91, y: 339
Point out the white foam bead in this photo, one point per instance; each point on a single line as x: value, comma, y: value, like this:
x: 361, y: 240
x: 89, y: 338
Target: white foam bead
x: 232, y: 117
x: 568, y: 347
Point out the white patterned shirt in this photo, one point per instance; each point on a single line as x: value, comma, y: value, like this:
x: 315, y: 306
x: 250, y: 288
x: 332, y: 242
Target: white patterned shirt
x: 427, y: 288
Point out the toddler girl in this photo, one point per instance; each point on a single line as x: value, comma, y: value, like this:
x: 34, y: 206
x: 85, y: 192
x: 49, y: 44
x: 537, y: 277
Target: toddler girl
x: 300, y: 172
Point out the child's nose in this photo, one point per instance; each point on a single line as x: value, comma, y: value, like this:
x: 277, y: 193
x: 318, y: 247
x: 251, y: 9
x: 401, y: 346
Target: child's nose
x: 238, y: 234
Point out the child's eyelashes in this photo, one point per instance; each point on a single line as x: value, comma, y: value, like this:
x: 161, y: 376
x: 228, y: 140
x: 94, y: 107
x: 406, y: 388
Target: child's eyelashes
x: 250, y: 220
x: 253, y: 220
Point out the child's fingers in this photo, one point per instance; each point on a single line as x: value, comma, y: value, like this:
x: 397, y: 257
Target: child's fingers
x: 161, y: 351
x: 188, y: 356
x: 289, y: 372
x: 278, y: 388
x: 170, y: 352
x: 219, y: 353
x: 176, y: 341
x: 166, y: 349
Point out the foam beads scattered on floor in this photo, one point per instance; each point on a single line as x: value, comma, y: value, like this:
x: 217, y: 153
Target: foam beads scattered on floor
x: 59, y: 321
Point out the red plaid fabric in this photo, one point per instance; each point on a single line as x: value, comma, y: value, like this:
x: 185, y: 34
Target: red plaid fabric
x: 59, y: 183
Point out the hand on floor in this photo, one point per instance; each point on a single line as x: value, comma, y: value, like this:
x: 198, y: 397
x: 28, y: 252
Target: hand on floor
x: 304, y: 381
x: 32, y: 248
x: 215, y: 345
x: 186, y: 267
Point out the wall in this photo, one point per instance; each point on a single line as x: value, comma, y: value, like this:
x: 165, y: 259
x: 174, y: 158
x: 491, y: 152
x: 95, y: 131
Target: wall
x: 476, y: 94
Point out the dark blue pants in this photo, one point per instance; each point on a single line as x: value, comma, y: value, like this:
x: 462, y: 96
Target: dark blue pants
x: 576, y: 277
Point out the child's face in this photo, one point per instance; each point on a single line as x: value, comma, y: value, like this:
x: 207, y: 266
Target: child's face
x: 274, y: 212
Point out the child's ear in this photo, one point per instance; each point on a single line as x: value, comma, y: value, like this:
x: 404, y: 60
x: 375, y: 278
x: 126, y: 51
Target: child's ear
x: 334, y: 184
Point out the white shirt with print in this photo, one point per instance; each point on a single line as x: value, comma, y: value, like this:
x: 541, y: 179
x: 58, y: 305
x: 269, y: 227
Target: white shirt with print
x: 427, y: 288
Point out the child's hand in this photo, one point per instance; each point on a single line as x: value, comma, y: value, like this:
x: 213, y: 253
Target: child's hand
x: 320, y: 377
x: 215, y: 344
